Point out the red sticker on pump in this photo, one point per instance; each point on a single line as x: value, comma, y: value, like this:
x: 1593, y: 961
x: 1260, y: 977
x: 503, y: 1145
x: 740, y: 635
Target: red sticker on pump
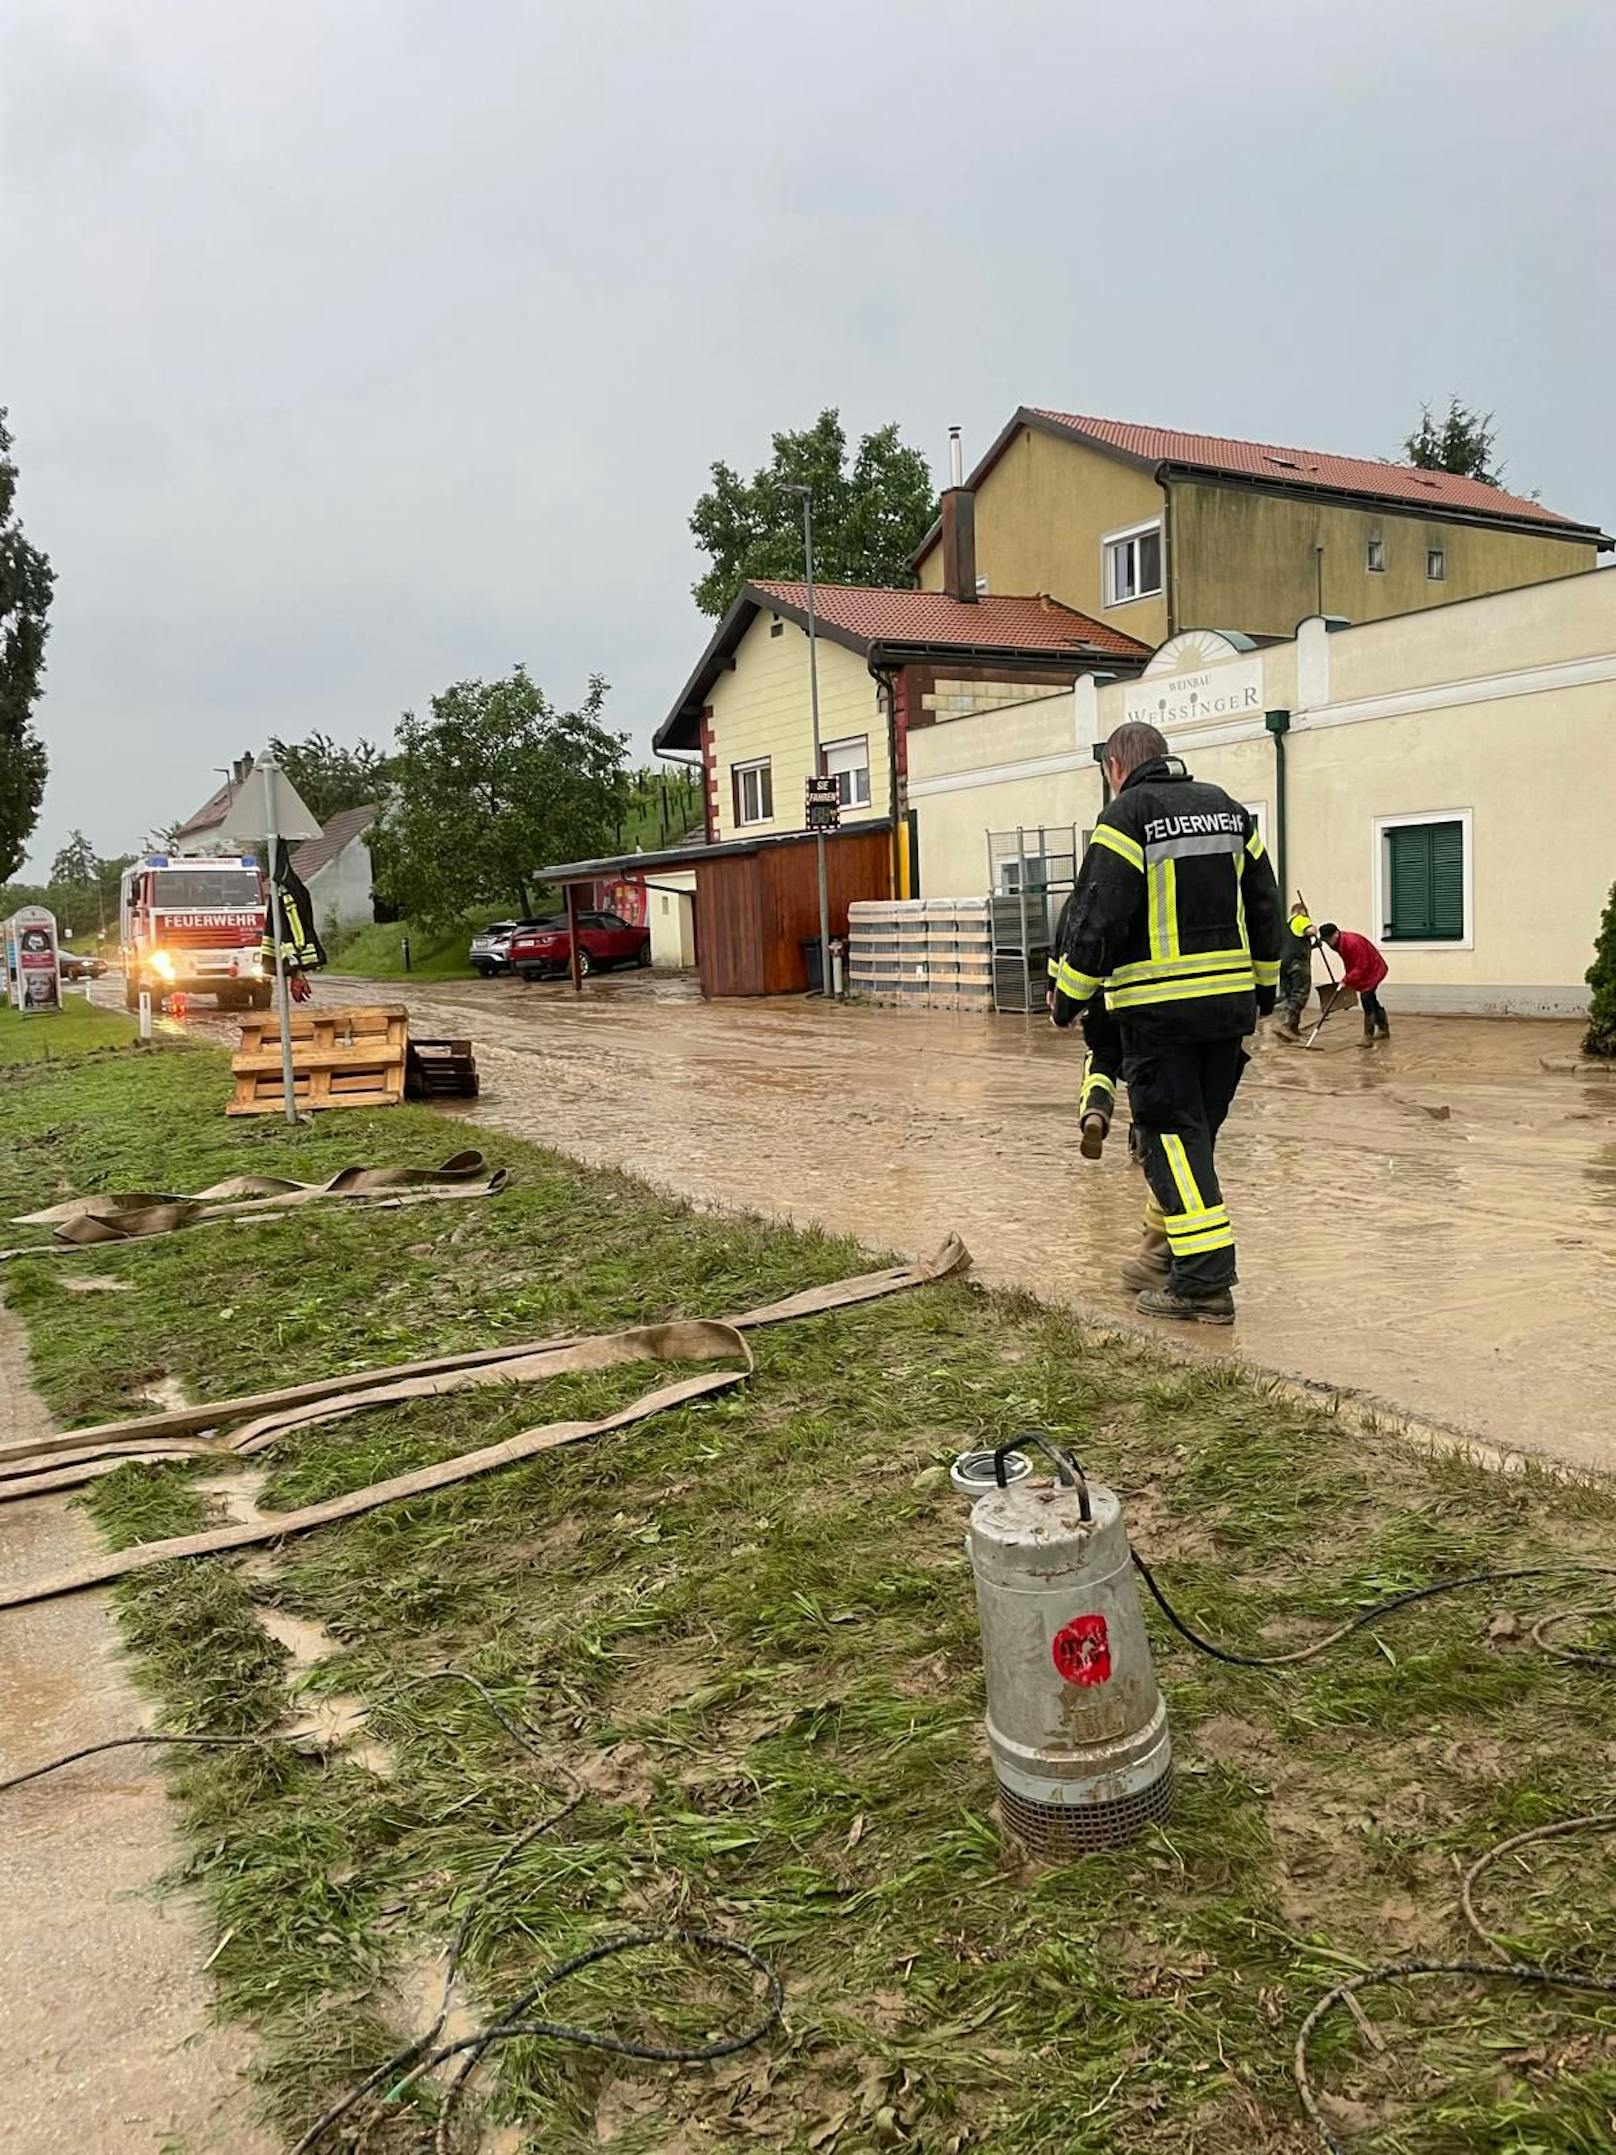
x: 1082, y: 1651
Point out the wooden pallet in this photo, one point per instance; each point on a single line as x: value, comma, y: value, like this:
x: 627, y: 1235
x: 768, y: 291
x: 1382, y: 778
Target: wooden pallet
x: 440, y: 1069
x: 340, y: 1058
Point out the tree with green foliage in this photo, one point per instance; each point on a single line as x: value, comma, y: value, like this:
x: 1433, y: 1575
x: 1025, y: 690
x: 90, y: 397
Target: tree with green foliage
x: 867, y: 520
x: 25, y: 596
x: 329, y: 778
x: 1601, y: 1035
x: 76, y: 862
x: 1461, y: 443
x: 491, y: 787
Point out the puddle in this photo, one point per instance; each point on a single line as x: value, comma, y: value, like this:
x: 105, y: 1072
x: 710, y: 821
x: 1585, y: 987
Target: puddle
x: 238, y: 1492
x: 1459, y: 1265
x: 338, y: 1723
x: 308, y: 1643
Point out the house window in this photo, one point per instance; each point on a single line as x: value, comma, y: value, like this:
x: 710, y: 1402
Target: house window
x: 754, y: 791
x: 1375, y: 557
x: 777, y: 628
x: 1424, y: 880
x: 1436, y: 563
x: 848, y: 762
x: 1133, y: 564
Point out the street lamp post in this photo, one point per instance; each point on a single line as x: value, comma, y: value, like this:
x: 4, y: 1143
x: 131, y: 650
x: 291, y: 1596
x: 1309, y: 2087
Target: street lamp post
x: 813, y: 701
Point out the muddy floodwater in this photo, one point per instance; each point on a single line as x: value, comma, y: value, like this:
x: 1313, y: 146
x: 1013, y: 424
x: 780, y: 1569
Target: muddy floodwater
x: 1431, y: 1222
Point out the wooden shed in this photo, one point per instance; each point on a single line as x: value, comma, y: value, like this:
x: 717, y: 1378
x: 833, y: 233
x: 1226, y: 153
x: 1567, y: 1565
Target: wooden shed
x: 757, y: 900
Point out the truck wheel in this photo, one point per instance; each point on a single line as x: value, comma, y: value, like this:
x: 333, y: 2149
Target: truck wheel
x: 262, y: 997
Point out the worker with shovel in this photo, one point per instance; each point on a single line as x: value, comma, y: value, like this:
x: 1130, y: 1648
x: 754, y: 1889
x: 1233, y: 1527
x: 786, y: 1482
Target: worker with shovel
x: 1364, y: 970
x: 1176, y: 917
x: 1295, y: 973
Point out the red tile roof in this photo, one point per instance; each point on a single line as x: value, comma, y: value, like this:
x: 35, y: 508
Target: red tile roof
x: 877, y: 615
x: 1437, y: 490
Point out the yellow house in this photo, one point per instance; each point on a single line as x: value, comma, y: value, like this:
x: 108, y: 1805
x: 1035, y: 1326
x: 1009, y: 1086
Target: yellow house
x: 1152, y: 531
x: 889, y: 663
x: 1442, y: 780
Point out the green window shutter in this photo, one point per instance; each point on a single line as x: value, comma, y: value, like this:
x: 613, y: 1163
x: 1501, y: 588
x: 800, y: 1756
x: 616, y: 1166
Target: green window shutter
x: 1425, y: 883
x: 1409, y: 881
x: 1447, y: 881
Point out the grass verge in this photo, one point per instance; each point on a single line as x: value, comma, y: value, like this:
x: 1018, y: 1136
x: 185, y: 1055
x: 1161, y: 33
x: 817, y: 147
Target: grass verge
x: 748, y: 1629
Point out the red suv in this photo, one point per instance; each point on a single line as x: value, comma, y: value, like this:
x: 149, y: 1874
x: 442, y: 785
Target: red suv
x: 603, y: 940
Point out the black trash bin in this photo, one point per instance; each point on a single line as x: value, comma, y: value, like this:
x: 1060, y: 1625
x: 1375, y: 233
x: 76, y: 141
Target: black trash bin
x: 814, y: 959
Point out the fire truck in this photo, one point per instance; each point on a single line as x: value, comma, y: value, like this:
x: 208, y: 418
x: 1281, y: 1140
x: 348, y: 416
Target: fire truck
x: 193, y: 924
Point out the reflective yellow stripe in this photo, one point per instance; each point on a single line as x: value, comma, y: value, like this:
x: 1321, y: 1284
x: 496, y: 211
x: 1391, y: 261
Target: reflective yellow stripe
x: 1254, y: 846
x: 1170, y: 906
x: 1221, y: 1238
x: 1179, y: 1161
x: 1266, y: 972
x: 1157, y: 908
x: 1193, y: 961
x: 1095, y: 1080
x: 1075, y: 986
x: 1054, y: 967
x: 1182, y: 991
x: 1197, y: 1218
x: 1118, y: 842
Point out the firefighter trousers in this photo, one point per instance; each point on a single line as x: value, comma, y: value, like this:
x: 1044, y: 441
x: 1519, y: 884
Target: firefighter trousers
x: 1180, y: 1096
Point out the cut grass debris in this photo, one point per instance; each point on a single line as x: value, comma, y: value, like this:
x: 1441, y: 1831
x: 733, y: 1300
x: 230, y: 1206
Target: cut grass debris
x: 747, y: 1628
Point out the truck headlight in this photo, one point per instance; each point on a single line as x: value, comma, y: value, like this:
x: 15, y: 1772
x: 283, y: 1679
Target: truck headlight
x: 161, y: 964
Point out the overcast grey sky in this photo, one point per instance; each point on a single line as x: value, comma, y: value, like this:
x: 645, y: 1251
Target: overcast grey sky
x: 354, y: 347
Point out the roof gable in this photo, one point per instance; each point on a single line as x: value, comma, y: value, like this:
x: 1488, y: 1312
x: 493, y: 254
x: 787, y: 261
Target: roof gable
x: 867, y: 617
x: 344, y: 827
x: 1222, y: 456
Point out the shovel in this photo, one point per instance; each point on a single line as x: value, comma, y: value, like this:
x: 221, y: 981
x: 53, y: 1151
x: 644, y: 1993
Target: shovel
x: 1335, y: 996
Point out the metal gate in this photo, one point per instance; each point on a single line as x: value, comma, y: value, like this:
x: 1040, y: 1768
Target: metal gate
x: 1031, y: 871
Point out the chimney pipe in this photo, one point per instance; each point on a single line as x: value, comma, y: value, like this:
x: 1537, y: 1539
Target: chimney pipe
x: 959, y: 544
x: 956, y: 461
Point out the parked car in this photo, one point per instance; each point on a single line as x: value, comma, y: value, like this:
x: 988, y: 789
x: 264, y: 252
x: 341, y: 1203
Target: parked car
x: 489, y: 951
x: 604, y: 940
x: 81, y: 965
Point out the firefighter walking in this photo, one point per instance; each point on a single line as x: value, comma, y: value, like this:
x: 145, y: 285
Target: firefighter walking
x: 1177, y: 918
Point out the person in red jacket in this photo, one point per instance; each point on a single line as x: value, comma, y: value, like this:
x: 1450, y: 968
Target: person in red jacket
x: 1365, y: 969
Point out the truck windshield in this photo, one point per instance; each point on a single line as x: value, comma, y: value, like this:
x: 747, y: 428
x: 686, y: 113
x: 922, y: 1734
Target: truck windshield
x: 191, y: 890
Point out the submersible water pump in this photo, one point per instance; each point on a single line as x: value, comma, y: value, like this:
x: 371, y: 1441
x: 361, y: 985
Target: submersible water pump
x: 1076, y: 1726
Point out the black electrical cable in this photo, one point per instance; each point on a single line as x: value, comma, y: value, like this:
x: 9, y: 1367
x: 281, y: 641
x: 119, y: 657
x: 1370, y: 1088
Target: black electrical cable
x: 410, y: 2064
x: 122, y: 1743
x: 415, y: 2059
x: 1367, y: 1617
x: 1503, y: 1970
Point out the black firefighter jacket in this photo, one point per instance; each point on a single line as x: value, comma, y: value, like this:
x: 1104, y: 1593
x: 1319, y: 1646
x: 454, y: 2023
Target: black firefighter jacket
x: 1176, y: 914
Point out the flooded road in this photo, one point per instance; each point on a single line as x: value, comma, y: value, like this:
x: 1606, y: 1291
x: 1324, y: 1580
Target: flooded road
x: 1458, y: 1265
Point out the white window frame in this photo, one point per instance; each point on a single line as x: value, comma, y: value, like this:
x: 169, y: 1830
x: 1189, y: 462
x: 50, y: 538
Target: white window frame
x: 1110, y: 539
x: 850, y: 740
x: 1438, y: 575
x: 1372, y: 567
x: 1380, y: 880
x: 740, y: 772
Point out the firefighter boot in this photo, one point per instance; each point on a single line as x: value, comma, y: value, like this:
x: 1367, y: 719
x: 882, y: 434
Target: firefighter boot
x: 1093, y: 1130
x: 1214, y: 1308
x: 1149, y: 1269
